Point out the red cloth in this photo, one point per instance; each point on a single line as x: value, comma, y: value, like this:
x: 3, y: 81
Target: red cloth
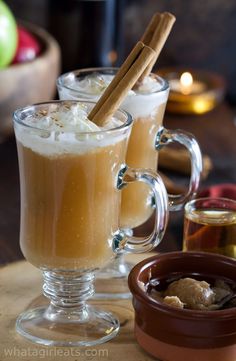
x: 227, y: 190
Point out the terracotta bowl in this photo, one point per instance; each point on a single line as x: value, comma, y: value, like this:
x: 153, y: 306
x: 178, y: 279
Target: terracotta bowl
x: 29, y: 82
x: 173, y: 334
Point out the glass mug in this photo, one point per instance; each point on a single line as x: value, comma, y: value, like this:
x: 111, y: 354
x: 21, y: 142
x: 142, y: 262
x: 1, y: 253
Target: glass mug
x: 147, y: 137
x: 210, y: 226
x: 70, y: 204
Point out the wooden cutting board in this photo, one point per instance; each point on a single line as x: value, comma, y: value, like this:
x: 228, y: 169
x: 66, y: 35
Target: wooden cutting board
x: 21, y: 287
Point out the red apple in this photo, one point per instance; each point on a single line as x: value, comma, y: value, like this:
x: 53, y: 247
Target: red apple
x: 28, y: 46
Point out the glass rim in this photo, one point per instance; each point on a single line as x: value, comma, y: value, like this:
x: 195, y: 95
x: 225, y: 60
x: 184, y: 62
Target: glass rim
x: 189, y: 205
x: 61, y: 78
x: 18, y: 118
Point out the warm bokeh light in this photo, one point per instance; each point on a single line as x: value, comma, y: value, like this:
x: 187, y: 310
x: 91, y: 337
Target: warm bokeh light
x: 186, y: 81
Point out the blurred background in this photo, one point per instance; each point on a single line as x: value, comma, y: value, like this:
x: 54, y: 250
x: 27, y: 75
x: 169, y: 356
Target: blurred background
x: 203, y: 36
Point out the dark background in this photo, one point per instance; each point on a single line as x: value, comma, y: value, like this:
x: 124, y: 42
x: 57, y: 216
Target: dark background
x: 89, y: 30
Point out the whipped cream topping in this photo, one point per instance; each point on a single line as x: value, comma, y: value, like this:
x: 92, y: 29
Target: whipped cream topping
x: 69, y: 118
x: 93, y: 84
x: 140, y: 101
x: 149, y: 84
x: 65, y: 129
x: 96, y: 83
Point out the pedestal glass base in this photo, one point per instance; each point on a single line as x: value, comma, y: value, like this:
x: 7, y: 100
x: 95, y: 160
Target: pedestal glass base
x: 111, y: 282
x: 68, y: 320
x: 95, y: 328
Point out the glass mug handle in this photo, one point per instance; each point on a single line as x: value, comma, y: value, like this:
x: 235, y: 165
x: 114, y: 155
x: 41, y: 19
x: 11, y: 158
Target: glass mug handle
x: 122, y: 243
x: 167, y: 136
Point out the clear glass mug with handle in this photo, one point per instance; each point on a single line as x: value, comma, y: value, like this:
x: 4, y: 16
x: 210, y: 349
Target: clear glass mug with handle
x: 71, y: 176
x: 146, y: 104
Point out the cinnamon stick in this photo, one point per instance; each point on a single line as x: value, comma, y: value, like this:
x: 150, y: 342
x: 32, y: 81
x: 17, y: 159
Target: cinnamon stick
x: 126, y: 77
x: 156, y: 39
x: 151, y: 28
x: 121, y: 72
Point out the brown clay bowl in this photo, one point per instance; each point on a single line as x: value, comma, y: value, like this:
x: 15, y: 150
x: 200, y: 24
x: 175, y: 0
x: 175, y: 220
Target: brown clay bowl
x: 30, y: 82
x: 173, y: 334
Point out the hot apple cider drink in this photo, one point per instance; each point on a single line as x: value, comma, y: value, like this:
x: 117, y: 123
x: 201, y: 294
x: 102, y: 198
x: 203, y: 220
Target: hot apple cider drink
x: 72, y: 171
x: 146, y: 103
x: 69, y: 203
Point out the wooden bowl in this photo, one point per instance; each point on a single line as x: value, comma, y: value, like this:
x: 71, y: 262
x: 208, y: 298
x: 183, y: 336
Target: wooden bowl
x: 30, y: 82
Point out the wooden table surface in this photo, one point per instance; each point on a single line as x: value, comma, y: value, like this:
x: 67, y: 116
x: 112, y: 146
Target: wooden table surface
x: 216, y: 133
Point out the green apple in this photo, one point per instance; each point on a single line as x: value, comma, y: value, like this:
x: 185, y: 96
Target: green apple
x: 8, y: 35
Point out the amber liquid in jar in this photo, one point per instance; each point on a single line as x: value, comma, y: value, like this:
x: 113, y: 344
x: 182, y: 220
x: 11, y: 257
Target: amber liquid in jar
x: 211, y: 230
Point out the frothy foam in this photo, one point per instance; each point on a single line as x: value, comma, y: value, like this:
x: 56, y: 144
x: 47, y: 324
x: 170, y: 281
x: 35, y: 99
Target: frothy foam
x: 140, y: 102
x: 64, y: 129
x: 69, y: 118
x: 93, y: 84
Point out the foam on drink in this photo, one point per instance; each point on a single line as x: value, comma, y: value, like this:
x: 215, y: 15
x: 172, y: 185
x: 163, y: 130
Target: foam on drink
x: 63, y: 130
x: 140, y: 101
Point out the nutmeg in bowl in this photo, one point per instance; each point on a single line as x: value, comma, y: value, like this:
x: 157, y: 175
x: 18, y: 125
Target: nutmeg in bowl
x: 177, y: 332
